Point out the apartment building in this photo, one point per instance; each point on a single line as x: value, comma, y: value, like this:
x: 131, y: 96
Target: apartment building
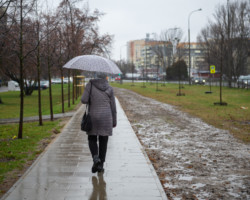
x: 149, y: 56
x: 197, y: 56
x: 157, y: 55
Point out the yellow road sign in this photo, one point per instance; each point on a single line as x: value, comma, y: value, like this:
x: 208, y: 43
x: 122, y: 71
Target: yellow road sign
x: 212, y: 69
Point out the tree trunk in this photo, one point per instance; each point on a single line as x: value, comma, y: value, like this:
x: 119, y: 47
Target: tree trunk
x: 28, y: 90
x: 69, y: 88
x: 39, y: 95
x: 73, y: 88
x: 20, y: 131
x: 221, y: 63
x: 38, y: 79
x: 50, y: 92
x: 62, y: 90
x: 49, y: 75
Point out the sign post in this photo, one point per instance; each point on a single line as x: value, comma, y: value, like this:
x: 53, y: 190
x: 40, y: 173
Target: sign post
x: 212, y: 71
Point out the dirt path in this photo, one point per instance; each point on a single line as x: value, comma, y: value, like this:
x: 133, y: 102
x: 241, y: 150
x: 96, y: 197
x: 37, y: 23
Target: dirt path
x: 193, y: 159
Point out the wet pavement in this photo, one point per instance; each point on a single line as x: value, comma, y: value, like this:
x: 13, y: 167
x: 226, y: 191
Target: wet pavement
x: 193, y: 159
x: 63, y: 171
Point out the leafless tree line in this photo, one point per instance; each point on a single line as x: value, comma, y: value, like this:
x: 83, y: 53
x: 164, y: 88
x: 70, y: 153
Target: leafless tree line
x: 226, y: 39
x: 166, y: 48
x: 35, y: 45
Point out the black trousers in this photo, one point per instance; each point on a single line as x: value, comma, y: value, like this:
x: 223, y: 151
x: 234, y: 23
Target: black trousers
x: 93, y: 146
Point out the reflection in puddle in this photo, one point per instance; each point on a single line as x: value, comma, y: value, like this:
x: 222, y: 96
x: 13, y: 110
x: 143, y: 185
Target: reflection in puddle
x: 99, y: 188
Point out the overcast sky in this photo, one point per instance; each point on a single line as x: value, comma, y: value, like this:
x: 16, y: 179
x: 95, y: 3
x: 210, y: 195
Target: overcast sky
x: 132, y: 19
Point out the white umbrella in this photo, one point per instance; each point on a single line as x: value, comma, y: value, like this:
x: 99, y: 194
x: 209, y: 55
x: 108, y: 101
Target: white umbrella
x: 93, y: 63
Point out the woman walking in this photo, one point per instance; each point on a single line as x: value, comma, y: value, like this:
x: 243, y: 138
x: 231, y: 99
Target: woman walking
x: 102, y: 110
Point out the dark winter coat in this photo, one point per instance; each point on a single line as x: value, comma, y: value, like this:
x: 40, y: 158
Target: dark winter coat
x: 102, y: 107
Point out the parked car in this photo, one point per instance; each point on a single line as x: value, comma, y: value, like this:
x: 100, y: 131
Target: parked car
x: 158, y: 78
x: 55, y: 80
x: 43, y: 85
x: 118, y: 78
x: 198, y: 80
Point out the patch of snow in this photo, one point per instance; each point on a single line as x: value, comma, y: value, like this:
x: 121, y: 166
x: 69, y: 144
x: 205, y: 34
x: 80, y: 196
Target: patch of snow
x: 195, y: 156
x: 185, y: 178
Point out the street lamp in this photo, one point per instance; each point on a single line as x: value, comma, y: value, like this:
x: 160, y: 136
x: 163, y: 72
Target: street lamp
x: 189, y: 56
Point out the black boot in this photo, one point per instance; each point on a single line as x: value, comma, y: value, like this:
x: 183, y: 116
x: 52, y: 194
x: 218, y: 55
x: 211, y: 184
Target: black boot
x: 100, y: 167
x: 96, y: 161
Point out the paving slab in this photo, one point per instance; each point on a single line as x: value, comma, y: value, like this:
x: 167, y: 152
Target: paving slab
x: 63, y: 170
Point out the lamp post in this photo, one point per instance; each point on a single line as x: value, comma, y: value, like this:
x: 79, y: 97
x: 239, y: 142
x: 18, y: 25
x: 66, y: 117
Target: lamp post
x: 189, y: 55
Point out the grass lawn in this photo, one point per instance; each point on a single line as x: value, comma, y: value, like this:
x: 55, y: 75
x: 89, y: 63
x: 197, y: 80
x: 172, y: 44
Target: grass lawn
x: 11, y: 102
x: 234, y: 117
x: 17, y: 154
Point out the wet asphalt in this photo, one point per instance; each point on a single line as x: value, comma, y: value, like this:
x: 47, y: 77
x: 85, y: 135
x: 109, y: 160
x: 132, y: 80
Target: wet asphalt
x: 63, y: 170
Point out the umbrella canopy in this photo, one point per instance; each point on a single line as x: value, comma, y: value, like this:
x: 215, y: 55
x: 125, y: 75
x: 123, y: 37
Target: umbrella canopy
x: 93, y: 63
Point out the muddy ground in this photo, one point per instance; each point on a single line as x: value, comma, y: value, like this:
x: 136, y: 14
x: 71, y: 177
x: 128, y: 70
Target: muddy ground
x: 193, y: 160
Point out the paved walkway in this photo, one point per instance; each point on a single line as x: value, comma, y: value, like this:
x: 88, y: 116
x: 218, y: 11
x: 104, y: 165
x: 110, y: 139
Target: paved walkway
x: 62, y: 172
x: 36, y: 118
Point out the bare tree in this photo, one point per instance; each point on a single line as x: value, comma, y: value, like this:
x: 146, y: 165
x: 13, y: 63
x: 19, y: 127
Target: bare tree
x: 59, y: 56
x: 38, y: 63
x: 27, y: 42
x: 165, y: 45
x: 231, y: 23
x: 38, y: 56
x: 20, y: 48
x: 80, y: 33
x: 50, y: 48
x: 4, y: 6
x: 163, y: 51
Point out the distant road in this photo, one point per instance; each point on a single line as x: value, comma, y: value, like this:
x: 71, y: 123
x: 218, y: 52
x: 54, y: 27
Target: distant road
x: 4, y: 89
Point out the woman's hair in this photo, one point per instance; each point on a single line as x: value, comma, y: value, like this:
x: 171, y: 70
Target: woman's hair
x: 101, y: 75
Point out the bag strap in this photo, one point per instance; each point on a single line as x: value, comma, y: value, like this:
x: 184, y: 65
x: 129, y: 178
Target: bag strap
x: 90, y: 92
x: 88, y: 104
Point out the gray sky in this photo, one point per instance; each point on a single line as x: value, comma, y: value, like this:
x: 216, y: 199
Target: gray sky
x: 132, y: 19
